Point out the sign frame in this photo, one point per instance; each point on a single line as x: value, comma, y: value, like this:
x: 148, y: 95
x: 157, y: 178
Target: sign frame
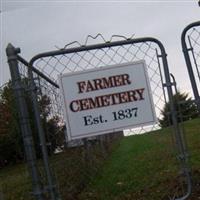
x: 100, y: 132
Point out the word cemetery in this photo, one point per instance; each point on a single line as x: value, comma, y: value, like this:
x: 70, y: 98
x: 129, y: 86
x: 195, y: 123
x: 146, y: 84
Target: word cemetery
x: 108, y: 99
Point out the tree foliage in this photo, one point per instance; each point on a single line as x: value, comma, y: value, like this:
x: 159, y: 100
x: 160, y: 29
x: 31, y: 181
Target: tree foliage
x: 11, y: 142
x: 186, y: 109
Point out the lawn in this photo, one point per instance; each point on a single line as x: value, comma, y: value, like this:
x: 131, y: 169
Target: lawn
x: 140, y: 167
x: 144, y: 167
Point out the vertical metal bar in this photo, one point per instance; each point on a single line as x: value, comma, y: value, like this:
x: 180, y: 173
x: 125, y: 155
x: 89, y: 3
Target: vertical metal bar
x: 180, y: 112
x: 161, y: 77
x: 186, y: 170
x: 172, y: 104
x: 24, y: 119
x: 189, y: 65
x: 174, y: 83
x: 51, y: 185
x: 195, y: 62
x: 178, y: 132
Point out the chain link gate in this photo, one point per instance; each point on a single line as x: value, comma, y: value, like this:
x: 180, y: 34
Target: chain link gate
x: 190, y: 40
x: 42, y: 75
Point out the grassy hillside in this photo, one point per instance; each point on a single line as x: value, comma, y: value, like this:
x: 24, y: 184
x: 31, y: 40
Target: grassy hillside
x: 144, y: 167
x: 141, y: 167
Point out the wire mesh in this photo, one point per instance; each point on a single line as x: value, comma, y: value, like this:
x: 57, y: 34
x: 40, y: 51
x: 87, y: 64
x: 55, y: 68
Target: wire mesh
x: 95, y: 150
x: 193, y: 36
x: 76, y: 59
x: 53, y: 66
x: 81, y: 158
x: 82, y: 170
x: 189, y: 109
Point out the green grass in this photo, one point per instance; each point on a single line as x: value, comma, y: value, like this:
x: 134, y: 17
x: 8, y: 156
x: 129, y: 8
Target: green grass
x: 145, y: 167
x: 14, y: 183
x: 141, y: 167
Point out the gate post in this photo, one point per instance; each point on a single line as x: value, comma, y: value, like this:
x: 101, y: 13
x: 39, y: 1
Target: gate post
x: 51, y: 188
x: 24, y: 121
x: 178, y: 131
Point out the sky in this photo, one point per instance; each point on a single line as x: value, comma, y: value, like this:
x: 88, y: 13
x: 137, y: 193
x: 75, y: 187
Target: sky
x: 39, y: 26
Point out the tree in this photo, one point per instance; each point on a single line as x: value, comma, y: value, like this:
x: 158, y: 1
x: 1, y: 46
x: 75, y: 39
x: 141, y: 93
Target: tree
x: 186, y: 109
x: 10, y: 140
x: 11, y: 143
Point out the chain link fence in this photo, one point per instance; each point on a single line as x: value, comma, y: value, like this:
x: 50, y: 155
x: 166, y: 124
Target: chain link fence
x: 191, y: 49
x: 194, y: 44
x: 89, y: 56
x: 80, y: 158
x: 81, y: 169
x: 73, y: 164
x: 55, y: 65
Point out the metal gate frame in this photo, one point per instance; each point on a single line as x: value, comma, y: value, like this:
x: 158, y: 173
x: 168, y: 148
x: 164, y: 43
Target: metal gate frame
x: 12, y: 54
x: 24, y: 119
x: 188, y: 52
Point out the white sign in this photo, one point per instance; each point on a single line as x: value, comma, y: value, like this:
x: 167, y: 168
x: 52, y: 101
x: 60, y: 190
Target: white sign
x: 107, y: 99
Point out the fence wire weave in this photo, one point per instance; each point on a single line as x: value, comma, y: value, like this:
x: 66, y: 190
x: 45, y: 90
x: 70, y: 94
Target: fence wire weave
x: 81, y: 158
x: 82, y: 162
x: 193, y: 36
x: 53, y: 66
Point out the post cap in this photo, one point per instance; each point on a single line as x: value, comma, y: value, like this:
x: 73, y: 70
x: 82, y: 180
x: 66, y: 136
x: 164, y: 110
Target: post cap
x: 11, y: 50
